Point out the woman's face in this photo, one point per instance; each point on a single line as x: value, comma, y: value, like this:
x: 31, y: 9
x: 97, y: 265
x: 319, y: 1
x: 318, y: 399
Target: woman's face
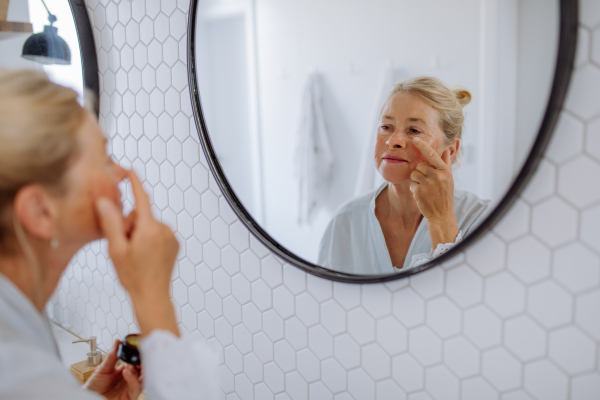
x: 404, y: 117
x: 93, y: 175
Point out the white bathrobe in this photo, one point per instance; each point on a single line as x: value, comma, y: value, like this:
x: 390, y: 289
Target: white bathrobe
x: 30, y: 366
x: 353, y: 241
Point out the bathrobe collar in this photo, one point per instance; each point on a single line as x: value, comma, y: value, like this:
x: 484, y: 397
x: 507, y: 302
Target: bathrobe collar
x: 19, y: 317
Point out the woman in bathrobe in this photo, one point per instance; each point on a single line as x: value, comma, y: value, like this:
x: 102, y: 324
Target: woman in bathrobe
x: 416, y: 214
x: 58, y: 191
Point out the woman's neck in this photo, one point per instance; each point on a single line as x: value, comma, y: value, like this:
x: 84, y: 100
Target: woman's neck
x: 396, y: 203
x: 36, y: 280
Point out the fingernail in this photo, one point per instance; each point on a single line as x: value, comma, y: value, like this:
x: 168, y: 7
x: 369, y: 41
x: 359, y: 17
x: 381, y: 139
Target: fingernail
x: 416, y: 139
x: 103, y: 205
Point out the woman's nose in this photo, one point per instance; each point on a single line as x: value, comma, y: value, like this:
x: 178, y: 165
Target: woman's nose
x: 397, y: 141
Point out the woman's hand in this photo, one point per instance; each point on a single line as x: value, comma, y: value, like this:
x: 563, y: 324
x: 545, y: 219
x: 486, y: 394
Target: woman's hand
x: 119, y: 383
x: 143, y: 251
x: 433, y: 189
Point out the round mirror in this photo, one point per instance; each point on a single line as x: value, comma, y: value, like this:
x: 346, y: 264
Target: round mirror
x: 368, y: 140
x: 50, y: 35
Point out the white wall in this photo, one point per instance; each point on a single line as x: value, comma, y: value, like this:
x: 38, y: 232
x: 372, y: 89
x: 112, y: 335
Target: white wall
x: 535, y: 42
x: 225, y: 100
x: 11, y: 45
x: 519, y: 40
x: 515, y: 317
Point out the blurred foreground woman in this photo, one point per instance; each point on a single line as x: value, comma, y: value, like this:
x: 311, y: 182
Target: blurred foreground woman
x: 58, y: 191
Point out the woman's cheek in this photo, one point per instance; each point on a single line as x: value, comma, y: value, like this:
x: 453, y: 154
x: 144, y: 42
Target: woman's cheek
x: 380, y: 148
x: 108, y: 189
x: 419, y: 157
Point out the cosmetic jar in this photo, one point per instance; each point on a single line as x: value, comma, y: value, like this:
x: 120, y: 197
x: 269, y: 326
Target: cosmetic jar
x: 128, y: 350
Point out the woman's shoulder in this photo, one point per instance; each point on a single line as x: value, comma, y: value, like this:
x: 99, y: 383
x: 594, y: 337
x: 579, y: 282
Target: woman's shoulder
x: 359, y: 204
x: 469, y: 208
x: 469, y: 199
x: 345, y: 245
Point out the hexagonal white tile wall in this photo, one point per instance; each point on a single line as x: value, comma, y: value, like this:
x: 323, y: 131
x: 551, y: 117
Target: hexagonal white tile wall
x: 516, y: 318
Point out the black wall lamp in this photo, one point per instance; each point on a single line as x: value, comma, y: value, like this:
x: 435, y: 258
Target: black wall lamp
x: 47, y: 47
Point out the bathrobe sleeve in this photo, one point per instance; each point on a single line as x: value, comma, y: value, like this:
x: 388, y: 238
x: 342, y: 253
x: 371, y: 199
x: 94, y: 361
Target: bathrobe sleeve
x: 178, y: 368
x: 28, y: 372
x: 424, y: 258
x: 173, y: 368
x: 470, y: 212
x: 30, y: 368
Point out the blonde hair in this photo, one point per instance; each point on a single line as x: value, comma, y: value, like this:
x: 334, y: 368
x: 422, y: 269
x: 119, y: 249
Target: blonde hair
x: 447, y: 102
x: 39, y: 121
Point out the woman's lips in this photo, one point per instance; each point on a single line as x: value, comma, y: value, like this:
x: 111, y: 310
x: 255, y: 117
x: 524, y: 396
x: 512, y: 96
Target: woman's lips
x: 394, y: 160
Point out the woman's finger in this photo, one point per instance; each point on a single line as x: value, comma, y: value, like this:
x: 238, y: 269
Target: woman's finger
x: 140, y: 371
x: 142, y: 201
x: 446, y: 158
x: 111, y: 223
x: 413, y: 187
x: 434, y: 159
x: 129, y: 223
x: 108, y: 365
x: 132, y: 378
x: 417, y: 176
x: 424, y: 168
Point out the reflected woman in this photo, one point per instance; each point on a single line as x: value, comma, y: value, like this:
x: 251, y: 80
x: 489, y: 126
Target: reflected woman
x: 416, y: 214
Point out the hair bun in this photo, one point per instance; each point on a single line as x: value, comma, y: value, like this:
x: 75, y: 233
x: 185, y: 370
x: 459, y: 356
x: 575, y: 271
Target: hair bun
x: 463, y: 96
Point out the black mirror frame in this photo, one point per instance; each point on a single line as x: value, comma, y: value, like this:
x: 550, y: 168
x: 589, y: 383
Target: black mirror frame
x: 567, y: 45
x: 87, y: 48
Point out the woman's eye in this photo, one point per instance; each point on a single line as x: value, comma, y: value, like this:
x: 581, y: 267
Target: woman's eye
x: 415, y: 131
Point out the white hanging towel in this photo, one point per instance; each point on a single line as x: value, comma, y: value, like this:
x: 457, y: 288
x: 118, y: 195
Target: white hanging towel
x: 368, y: 177
x: 313, y: 158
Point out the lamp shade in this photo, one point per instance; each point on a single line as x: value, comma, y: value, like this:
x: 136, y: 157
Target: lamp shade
x: 47, y: 48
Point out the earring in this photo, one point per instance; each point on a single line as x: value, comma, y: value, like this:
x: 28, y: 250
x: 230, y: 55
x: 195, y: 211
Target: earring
x: 54, y: 243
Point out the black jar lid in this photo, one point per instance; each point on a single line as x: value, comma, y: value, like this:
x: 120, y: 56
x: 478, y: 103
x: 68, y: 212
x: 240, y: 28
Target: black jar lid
x: 128, y: 351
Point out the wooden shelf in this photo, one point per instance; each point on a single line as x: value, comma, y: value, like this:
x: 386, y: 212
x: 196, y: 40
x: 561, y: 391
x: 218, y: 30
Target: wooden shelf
x: 9, y: 29
x: 16, y: 27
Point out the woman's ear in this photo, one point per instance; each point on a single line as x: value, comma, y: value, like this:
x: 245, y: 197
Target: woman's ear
x: 37, y: 211
x: 454, y: 149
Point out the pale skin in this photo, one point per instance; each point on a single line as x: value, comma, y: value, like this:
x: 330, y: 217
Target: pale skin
x: 411, y: 155
x: 142, y: 249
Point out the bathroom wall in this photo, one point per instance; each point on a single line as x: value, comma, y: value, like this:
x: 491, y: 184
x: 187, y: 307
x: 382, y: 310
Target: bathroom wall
x: 11, y: 44
x: 516, y: 316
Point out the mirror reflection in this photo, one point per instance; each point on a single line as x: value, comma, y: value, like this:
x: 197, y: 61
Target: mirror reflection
x: 41, y: 34
x: 371, y: 136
